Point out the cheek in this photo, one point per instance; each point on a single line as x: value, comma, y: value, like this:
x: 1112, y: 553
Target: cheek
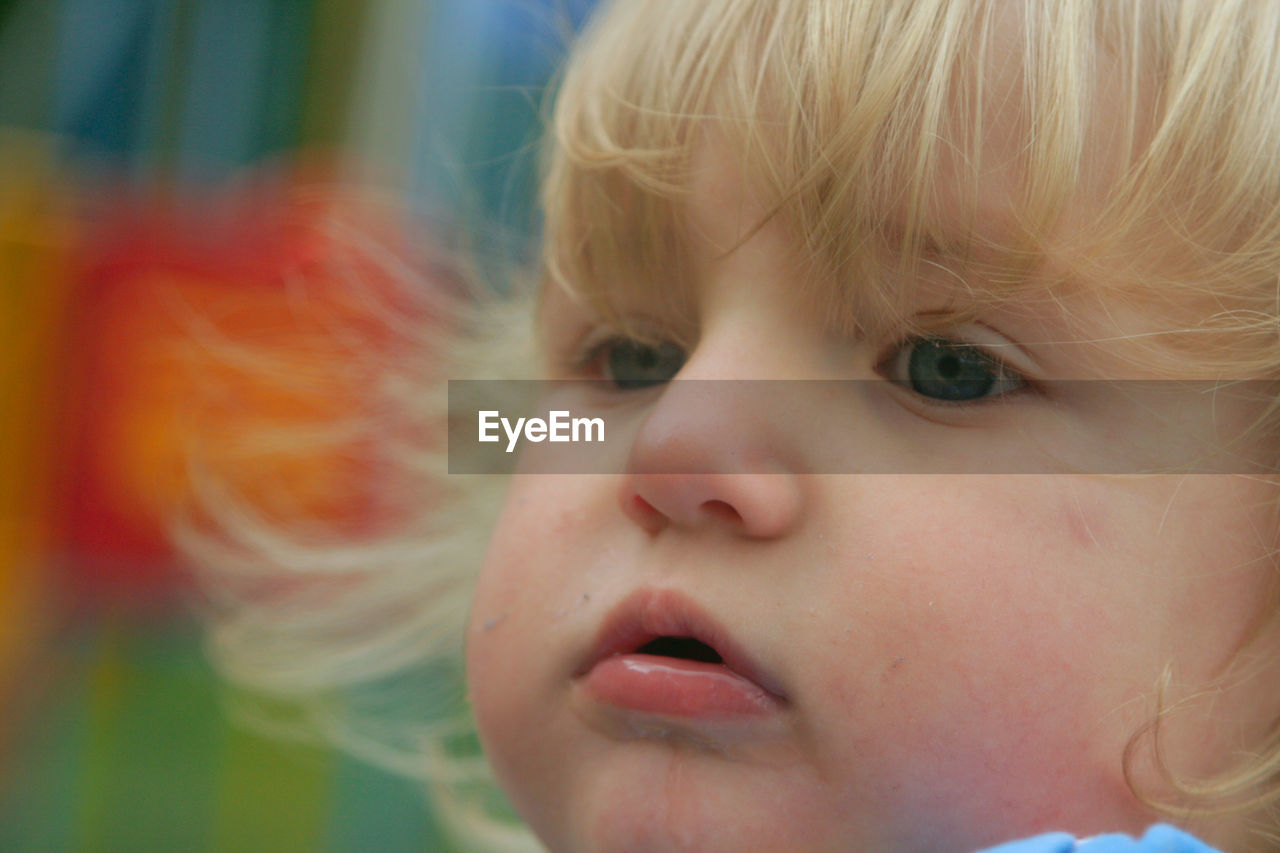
x: 528, y: 561
x: 978, y: 659
x: 529, y: 602
x: 508, y: 603
x: 1000, y: 643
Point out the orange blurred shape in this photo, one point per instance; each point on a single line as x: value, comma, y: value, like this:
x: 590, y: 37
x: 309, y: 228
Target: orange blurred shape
x: 245, y: 332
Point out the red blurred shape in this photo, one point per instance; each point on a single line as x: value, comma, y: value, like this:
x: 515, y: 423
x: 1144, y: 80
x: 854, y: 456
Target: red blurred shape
x: 248, y: 326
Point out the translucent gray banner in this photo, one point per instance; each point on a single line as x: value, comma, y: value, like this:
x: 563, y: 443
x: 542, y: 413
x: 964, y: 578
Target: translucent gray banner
x: 863, y: 427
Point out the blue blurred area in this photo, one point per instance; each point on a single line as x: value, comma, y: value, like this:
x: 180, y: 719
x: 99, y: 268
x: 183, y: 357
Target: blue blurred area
x: 99, y: 69
x: 484, y: 73
x: 200, y: 88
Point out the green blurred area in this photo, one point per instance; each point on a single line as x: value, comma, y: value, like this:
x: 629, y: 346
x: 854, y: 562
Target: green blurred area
x: 126, y: 748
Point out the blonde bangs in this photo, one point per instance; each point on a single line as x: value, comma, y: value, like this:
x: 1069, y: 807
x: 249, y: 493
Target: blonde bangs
x: 619, y: 166
x: 863, y: 128
x: 849, y: 121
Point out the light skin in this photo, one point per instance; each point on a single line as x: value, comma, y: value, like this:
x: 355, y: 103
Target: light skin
x: 963, y: 657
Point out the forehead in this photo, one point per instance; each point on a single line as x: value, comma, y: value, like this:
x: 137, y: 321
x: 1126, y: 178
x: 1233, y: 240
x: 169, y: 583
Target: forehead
x: 892, y: 142
x: 959, y: 242
x: 896, y: 147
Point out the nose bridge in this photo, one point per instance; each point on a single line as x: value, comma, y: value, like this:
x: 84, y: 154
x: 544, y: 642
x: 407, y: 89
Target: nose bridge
x: 755, y: 324
x: 711, y: 455
x: 704, y: 426
x: 716, y: 449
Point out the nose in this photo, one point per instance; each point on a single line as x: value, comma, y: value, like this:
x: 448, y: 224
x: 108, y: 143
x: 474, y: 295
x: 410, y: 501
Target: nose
x: 710, y: 456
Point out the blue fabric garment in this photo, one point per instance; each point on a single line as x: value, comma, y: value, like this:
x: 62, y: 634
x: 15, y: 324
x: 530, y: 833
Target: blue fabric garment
x: 1158, y: 839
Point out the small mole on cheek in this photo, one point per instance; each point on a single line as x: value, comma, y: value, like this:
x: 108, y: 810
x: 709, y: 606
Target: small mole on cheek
x: 893, y: 667
x: 564, y: 611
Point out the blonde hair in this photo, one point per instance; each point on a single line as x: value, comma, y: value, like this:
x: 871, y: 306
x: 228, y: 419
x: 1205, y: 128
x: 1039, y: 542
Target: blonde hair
x: 863, y: 125
x: 855, y: 121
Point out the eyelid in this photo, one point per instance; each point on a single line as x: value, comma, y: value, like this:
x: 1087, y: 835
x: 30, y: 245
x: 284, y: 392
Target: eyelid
x: 587, y: 345
x: 992, y: 344
x: 585, y: 356
x: 575, y: 346
x: 998, y: 348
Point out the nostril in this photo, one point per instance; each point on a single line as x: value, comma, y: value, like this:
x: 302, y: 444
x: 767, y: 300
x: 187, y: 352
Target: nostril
x: 643, y: 513
x: 723, y: 510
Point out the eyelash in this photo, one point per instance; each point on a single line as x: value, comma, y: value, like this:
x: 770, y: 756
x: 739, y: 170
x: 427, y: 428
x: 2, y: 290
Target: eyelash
x: 583, y: 359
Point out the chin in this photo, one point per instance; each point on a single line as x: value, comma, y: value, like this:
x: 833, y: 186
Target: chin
x: 656, y: 796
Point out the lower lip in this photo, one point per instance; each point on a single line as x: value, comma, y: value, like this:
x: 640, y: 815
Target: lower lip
x: 676, y: 687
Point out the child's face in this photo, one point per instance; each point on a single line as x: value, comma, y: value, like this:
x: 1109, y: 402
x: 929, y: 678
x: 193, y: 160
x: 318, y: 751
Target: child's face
x: 933, y: 662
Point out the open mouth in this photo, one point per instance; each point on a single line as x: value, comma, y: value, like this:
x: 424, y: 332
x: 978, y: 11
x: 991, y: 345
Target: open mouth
x: 657, y: 652
x: 682, y: 648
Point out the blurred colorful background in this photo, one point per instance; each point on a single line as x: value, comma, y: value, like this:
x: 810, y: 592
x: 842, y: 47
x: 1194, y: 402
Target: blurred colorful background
x: 163, y: 160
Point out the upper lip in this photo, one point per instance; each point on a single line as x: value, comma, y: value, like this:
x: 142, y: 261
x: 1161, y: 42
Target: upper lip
x: 648, y: 614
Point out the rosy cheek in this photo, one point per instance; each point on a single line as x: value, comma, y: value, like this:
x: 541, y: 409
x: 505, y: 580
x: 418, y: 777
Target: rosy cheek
x: 976, y: 668
x: 981, y: 730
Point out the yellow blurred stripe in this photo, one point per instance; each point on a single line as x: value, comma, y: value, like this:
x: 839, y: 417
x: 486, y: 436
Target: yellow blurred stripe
x: 36, y: 239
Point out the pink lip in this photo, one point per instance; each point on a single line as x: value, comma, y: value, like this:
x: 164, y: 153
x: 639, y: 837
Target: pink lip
x: 617, y: 674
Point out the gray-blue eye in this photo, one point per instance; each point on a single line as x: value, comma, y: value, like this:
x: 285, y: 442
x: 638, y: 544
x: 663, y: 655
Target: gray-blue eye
x: 631, y: 365
x: 951, y: 371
